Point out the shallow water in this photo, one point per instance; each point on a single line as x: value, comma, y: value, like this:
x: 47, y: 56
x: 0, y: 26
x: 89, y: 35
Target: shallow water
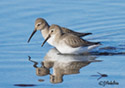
x: 104, y: 18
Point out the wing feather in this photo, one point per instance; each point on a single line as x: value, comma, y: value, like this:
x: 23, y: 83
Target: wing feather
x: 75, y: 41
x: 79, y: 34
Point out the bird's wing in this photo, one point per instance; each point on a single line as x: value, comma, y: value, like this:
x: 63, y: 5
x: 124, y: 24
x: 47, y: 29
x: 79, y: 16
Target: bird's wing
x: 79, y: 34
x: 75, y: 41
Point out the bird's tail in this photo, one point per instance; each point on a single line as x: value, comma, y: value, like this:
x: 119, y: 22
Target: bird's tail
x: 98, y: 43
x: 82, y: 34
x: 94, y: 45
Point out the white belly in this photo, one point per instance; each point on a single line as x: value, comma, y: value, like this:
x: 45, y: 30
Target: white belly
x: 70, y: 50
x: 64, y: 49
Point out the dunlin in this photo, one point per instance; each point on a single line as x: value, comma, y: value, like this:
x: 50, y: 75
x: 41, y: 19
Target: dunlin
x: 67, y: 43
x: 42, y: 25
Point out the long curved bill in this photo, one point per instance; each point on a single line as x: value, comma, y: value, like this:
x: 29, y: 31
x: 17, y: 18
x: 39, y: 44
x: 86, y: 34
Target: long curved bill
x: 31, y: 35
x: 45, y: 40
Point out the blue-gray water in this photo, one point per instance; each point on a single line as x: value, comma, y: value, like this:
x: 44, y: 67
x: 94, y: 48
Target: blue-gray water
x: 104, y: 18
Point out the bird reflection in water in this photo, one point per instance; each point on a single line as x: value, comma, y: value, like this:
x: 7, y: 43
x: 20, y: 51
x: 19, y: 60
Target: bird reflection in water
x: 62, y: 65
x: 40, y: 71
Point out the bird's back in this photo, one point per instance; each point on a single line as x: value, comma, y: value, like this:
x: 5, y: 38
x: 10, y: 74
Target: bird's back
x: 75, y: 41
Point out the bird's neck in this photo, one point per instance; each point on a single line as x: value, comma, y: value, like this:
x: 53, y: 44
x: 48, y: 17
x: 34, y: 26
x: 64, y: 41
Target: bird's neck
x: 58, y: 37
x: 45, y: 31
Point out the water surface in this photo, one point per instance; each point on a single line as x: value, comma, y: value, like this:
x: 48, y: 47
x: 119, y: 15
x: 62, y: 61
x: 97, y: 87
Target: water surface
x: 104, y: 18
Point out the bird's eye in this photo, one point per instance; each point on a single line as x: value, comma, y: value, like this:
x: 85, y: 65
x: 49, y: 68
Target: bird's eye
x: 52, y: 31
x: 38, y: 24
